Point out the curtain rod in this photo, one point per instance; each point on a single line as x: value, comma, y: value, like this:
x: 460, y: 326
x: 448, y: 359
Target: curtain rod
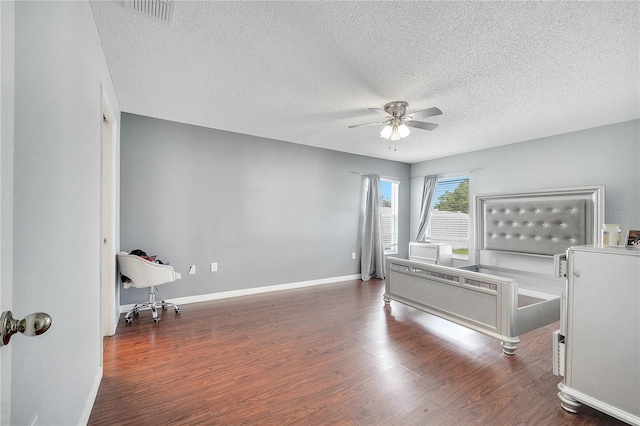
x: 385, y: 177
x: 440, y: 175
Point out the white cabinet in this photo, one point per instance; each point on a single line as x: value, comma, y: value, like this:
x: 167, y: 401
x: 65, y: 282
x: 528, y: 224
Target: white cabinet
x: 598, y: 346
x: 433, y: 253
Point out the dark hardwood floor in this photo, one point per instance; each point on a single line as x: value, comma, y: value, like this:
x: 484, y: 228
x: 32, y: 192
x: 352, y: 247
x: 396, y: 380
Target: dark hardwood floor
x: 330, y: 354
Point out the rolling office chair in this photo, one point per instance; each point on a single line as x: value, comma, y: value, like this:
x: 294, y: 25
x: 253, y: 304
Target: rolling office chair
x: 143, y: 273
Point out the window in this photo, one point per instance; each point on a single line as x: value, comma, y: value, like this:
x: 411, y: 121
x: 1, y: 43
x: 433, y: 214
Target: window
x: 389, y: 215
x: 450, y: 214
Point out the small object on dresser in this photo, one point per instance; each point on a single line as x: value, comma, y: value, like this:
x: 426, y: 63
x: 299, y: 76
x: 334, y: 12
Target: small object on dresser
x: 633, y: 238
x: 610, y: 234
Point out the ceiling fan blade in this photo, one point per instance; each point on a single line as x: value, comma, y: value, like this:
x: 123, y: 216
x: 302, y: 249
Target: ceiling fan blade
x: 367, y: 124
x: 429, y: 112
x: 421, y: 125
x: 380, y: 111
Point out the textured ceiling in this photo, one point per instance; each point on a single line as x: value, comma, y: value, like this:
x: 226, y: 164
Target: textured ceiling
x: 501, y: 72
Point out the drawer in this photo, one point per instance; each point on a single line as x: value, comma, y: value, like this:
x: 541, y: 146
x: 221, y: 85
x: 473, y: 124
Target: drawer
x: 424, y: 252
x: 419, y: 259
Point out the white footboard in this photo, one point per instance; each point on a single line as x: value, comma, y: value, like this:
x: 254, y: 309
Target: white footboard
x: 484, y: 303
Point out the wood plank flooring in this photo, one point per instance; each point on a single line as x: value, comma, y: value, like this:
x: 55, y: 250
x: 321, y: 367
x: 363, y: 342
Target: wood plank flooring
x: 330, y: 354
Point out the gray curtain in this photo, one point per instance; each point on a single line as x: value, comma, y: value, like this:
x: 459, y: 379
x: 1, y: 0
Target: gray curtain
x: 428, y: 192
x: 372, y: 263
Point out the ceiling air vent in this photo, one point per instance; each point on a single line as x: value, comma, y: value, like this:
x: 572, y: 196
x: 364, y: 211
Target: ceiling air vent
x: 159, y: 9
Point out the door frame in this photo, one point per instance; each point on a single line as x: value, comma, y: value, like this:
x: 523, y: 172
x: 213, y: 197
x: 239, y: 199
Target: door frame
x: 108, y: 244
x: 7, y: 111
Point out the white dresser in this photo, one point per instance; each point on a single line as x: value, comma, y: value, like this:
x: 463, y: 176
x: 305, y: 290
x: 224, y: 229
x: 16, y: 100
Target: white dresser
x: 597, y: 348
x: 433, y: 253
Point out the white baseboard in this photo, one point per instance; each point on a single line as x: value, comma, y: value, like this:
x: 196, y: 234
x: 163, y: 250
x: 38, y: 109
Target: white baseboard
x: 249, y: 291
x: 91, y: 398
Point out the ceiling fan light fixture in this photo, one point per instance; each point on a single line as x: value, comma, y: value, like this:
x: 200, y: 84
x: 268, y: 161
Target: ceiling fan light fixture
x: 403, y: 130
x: 386, y: 131
x: 395, y: 134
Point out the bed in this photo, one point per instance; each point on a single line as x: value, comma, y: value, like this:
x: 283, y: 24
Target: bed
x: 518, y: 235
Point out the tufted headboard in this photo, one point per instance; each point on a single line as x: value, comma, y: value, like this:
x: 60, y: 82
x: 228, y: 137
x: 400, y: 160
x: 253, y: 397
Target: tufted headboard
x: 545, y: 222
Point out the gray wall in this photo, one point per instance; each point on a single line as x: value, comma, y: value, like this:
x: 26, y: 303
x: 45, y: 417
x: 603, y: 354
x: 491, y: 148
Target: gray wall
x: 608, y: 155
x: 268, y: 212
x: 59, y: 69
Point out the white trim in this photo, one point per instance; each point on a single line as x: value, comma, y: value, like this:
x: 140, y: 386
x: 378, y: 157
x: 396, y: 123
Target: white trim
x: 250, y: 291
x: 108, y: 278
x: 91, y: 398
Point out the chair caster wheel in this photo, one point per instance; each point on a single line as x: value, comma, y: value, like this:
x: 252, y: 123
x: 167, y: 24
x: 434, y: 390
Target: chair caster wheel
x: 156, y: 320
x: 136, y: 313
x: 177, y: 311
x: 127, y: 320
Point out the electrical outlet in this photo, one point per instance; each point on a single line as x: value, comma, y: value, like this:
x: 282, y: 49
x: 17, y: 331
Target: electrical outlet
x: 192, y: 270
x: 494, y: 261
x: 353, y: 256
x: 214, y: 267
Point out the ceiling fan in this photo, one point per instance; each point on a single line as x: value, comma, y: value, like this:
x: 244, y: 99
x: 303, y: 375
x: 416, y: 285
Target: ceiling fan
x: 398, y: 120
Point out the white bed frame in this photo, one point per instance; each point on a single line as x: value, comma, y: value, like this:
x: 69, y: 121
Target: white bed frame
x: 520, y: 232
